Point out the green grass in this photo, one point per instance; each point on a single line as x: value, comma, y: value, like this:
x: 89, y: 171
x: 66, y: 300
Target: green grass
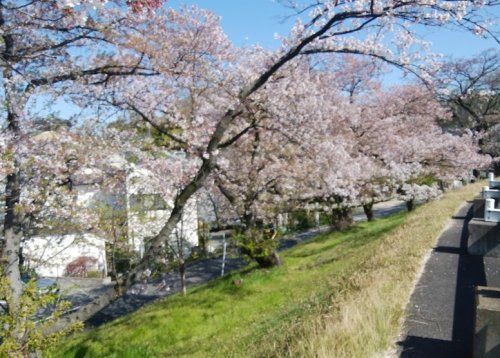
x: 342, y: 294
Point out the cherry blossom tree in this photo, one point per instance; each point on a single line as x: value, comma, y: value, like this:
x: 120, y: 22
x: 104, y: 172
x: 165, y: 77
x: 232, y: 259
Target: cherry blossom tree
x: 470, y: 88
x: 201, y: 60
x: 383, y: 143
x: 358, y: 79
x: 200, y: 90
x: 330, y: 29
x: 49, y: 48
x: 260, y: 172
x: 407, y: 140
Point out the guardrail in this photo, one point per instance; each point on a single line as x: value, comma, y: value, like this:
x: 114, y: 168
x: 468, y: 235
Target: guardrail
x: 491, y: 196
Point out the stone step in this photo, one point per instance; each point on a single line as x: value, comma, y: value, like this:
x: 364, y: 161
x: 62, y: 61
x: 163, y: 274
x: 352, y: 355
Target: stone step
x: 487, y: 325
x: 484, y: 238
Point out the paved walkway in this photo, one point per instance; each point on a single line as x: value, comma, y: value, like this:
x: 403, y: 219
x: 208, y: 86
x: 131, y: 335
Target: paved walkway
x: 202, y: 271
x: 440, y: 315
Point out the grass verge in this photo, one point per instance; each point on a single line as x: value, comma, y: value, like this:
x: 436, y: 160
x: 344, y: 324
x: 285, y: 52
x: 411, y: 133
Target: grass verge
x: 340, y: 295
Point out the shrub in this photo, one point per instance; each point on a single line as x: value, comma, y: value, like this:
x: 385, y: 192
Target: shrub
x: 302, y: 220
x: 30, y: 328
x: 260, y: 245
x: 80, y: 266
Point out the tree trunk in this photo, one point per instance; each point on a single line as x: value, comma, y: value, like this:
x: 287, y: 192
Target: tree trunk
x: 410, y: 205
x: 441, y: 185
x: 255, y: 231
x: 368, y: 209
x: 12, y: 230
x: 12, y: 240
x: 341, y: 218
x: 317, y: 218
x: 268, y: 261
x: 114, y: 270
x: 496, y: 168
x: 182, y: 274
x: 203, y: 235
x: 11, y: 248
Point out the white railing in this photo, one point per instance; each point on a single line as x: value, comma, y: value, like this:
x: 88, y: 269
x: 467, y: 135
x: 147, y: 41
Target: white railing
x: 491, y: 194
x: 492, y: 183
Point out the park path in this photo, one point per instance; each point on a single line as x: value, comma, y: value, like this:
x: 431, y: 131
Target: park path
x: 202, y: 271
x: 439, y: 318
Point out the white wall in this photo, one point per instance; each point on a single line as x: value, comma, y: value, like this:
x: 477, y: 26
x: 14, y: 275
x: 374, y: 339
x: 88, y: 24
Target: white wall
x: 50, y: 255
x: 146, y: 224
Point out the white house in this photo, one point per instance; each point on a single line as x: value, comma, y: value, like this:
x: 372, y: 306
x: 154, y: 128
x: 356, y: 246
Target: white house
x: 63, y: 252
x: 148, y: 211
x: 69, y: 253
x: 66, y: 255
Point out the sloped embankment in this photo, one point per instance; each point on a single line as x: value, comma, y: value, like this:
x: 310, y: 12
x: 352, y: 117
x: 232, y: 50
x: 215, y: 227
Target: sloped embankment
x: 342, y: 294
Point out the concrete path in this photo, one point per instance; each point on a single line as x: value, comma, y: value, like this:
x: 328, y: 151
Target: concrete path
x: 440, y: 315
x: 202, y: 271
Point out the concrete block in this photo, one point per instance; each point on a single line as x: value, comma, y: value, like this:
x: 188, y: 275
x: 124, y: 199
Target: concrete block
x: 489, y: 193
x: 484, y: 238
x: 478, y: 208
x: 83, y: 313
x: 490, y: 212
x: 492, y: 183
x: 487, y: 325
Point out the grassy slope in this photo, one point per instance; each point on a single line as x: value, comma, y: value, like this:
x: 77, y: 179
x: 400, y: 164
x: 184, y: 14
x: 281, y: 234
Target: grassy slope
x: 342, y: 294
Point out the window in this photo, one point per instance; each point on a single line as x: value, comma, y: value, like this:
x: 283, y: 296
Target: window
x: 147, y: 202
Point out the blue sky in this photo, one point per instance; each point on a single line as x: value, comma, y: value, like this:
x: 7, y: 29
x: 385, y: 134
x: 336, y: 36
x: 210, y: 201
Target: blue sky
x: 248, y: 22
